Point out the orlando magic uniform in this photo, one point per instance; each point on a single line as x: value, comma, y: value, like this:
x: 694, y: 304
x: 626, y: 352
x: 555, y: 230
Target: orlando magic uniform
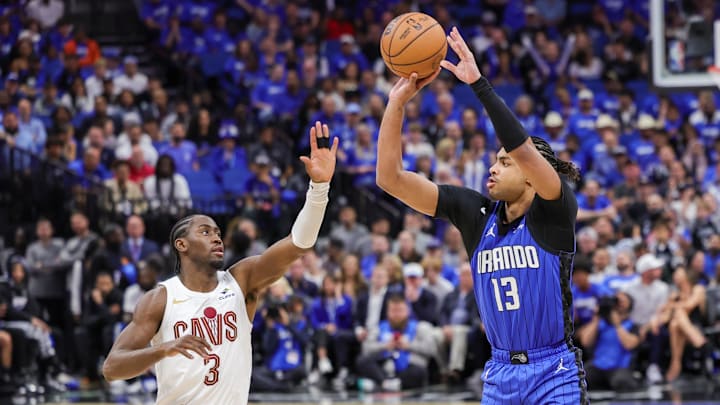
x: 521, y: 273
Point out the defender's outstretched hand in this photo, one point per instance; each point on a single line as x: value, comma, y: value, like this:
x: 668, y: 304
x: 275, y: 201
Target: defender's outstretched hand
x: 405, y: 89
x: 466, y: 70
x: 320, y: 166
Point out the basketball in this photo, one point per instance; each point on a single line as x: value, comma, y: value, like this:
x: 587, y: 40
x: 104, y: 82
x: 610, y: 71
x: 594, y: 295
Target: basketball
x: 413, y: 42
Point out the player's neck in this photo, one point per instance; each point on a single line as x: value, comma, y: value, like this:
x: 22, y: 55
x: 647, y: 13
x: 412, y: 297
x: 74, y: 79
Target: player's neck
x: 199, y: 280
x: 516, y: 209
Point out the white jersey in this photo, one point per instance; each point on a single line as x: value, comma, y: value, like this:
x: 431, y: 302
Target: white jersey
x: 220, y: 317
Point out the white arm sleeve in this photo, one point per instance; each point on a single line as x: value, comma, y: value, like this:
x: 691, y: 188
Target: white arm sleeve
x: 307, y: 224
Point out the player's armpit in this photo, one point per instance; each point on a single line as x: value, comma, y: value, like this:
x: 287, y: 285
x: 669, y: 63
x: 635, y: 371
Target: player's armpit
x: 130, y: 356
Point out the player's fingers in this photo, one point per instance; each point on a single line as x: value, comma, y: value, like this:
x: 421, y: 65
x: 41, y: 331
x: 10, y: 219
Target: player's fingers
x: 334, y: 148
x: 462, y: 43
x: 184, y: 352
x: 326, y: 131
x: 198, y: 348
x: 454, y: 45
x: 413, y: 79
x: 313, y: 137
x: 449, y: 66
x: 204, y: 343
x: 305, y: 160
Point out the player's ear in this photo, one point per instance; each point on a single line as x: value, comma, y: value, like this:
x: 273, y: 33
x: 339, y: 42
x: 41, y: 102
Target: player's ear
x: 181, y: 244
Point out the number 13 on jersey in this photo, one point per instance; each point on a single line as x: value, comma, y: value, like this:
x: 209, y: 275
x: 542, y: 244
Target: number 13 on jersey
x: 511, y: 300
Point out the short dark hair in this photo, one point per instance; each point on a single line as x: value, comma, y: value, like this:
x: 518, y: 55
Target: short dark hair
x: 395, y: 298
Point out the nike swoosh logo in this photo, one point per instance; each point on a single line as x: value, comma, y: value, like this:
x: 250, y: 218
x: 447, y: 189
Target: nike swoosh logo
x: 177, y: 301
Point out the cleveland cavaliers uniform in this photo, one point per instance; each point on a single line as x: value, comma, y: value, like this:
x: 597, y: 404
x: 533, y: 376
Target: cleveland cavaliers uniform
x: 220, y: 317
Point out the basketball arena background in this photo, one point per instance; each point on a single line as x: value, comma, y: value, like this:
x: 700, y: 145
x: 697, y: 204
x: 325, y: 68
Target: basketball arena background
x: 118, y: 117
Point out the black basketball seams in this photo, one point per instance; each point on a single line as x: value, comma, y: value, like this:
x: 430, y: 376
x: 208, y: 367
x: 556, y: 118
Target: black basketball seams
x: 423, y: 60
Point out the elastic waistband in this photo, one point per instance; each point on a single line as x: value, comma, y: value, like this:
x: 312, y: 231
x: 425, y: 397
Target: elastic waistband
x: 528, y: 356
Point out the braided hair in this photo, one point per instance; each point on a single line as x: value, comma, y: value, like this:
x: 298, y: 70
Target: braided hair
x: 179, y: 230
x: 561, y: 167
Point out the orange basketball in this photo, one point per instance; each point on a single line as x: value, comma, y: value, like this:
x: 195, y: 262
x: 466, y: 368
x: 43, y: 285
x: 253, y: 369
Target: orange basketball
x: 413, y: 42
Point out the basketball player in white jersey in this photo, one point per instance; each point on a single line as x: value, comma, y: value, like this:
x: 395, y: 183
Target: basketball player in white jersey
x: 198, y: 323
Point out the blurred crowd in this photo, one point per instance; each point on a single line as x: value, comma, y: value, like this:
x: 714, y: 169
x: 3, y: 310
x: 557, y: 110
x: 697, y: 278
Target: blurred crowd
x: 385, y: 300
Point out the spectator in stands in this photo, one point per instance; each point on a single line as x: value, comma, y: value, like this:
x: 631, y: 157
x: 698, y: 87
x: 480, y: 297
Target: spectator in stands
x: 300, y: 284
x: 94, y: 83
x: 593, y: 203
x: 18, y: 294
x: 371, y: 304
x: 620, y: 61
x: 17, y: 136
x: 182, y: 151
x: 77, y: 100
x: 84, y: 48
x: 139, y: 168
x: 401, y: 344
x: 148, y: 273
x: 70, y: 72
x: 103, y: 312
x: 712, y: 257
x: 262, y: 196
x: 434, y: 281
x: 586, y: 293
x: 331, y: 317
x: 626, y: 194
x: 46, y: 103
x: 405, y: 248
x: 458, y: 316
x: 90, y: 168
x: 351, y: 278
x: 124, y: 197
x: 379, y: 247
x: 314, y: 271
x: 613, y: 337
x: 685, y: 314
x: 649, y: 294
x: 95, y: 138
x: 349, y: 230
x: 28, y: 124
x: 99, y: 114
x: 602, y: 263
x: 136, y: 246
x: 625, y: 264
x: 706, y: 119
x: 48, y: 273
x: 584, y: 64
x: 227, y: 155
x: 46, y: 12
x: 249, y: 228
x: 76, y: 246
x: 423, y: 303
x: 284, y: 346
x: 166, y: 190
x: 417, y: 223
x: 130, y: 79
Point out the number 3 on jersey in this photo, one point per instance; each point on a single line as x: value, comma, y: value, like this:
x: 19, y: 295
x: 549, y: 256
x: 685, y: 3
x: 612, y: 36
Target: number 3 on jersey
x: 509, y: 286
x: 213, y: 374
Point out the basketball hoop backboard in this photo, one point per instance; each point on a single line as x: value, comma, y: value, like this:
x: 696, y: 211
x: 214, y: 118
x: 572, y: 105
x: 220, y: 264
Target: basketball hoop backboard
x: 685, y: 45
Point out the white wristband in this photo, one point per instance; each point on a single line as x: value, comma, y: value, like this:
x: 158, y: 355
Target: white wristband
x: 307, y: 224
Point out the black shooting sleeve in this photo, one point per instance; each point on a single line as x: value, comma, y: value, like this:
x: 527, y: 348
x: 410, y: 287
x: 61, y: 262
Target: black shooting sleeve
x: 507, y: 127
